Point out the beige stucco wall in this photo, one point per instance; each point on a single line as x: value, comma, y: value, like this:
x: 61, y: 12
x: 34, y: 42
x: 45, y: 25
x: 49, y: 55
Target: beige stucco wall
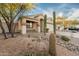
x: 35, y: 26
x: 23, y: 26
x: 39, y: 23
x: 24, y: 21
x: 18, y: 26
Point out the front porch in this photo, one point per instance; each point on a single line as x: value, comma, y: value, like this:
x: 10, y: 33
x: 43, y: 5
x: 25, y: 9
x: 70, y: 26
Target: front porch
x: 25, y: 25
x: 31, y: 26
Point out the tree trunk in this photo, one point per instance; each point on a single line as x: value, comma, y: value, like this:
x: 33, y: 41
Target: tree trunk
x: 8, y: 24
x: 9, y: 28
x: 3, y: 31
x: 12, y: 29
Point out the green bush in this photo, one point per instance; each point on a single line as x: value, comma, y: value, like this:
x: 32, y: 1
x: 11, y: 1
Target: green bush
x: 64, y: 38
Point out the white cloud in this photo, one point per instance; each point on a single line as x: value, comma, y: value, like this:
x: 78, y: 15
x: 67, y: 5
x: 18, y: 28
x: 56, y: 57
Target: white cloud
x: 47, y: 12
x: 73, y: 14
x: 60, y: 14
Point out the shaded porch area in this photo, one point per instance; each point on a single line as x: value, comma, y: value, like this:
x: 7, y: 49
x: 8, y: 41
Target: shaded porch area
x: 31, y: 26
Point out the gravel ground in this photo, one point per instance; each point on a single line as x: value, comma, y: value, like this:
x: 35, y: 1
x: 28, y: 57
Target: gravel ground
x: 61, y: 51
x: 21, y: 44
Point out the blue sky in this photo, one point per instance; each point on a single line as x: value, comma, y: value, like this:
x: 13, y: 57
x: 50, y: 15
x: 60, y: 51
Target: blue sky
x: 69, y: 10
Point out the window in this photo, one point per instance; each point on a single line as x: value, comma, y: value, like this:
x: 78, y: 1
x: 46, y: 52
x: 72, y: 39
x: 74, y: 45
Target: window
x: 29, y: 25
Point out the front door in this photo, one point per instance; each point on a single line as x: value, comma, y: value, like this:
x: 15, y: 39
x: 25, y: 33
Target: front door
x: 29, y: 26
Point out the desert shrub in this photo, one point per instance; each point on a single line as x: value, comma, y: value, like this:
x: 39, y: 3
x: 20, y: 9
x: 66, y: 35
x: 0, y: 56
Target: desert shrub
x: 64, y: 38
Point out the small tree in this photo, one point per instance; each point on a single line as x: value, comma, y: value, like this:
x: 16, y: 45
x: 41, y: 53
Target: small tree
x: 10, y: 12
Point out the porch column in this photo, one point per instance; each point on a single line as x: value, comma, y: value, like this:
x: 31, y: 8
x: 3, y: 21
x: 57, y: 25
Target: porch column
x: 35, y: 26
x: 23, y: 31
x: 39, y: 27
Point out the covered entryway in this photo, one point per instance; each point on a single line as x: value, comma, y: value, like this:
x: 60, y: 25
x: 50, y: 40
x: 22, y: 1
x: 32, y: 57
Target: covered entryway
x: 31, y: 26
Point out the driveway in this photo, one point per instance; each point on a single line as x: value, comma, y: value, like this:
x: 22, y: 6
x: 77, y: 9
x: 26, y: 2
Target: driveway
x: 73, y: 36
x: 69, y: 34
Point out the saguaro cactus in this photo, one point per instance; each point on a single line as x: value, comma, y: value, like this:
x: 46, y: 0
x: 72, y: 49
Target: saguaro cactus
x: 54, y: 22
x: 52, y: 39
x: 45, y: 23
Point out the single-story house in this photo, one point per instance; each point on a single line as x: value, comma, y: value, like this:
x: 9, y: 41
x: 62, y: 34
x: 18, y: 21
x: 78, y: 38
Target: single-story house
x: 32, y: 23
